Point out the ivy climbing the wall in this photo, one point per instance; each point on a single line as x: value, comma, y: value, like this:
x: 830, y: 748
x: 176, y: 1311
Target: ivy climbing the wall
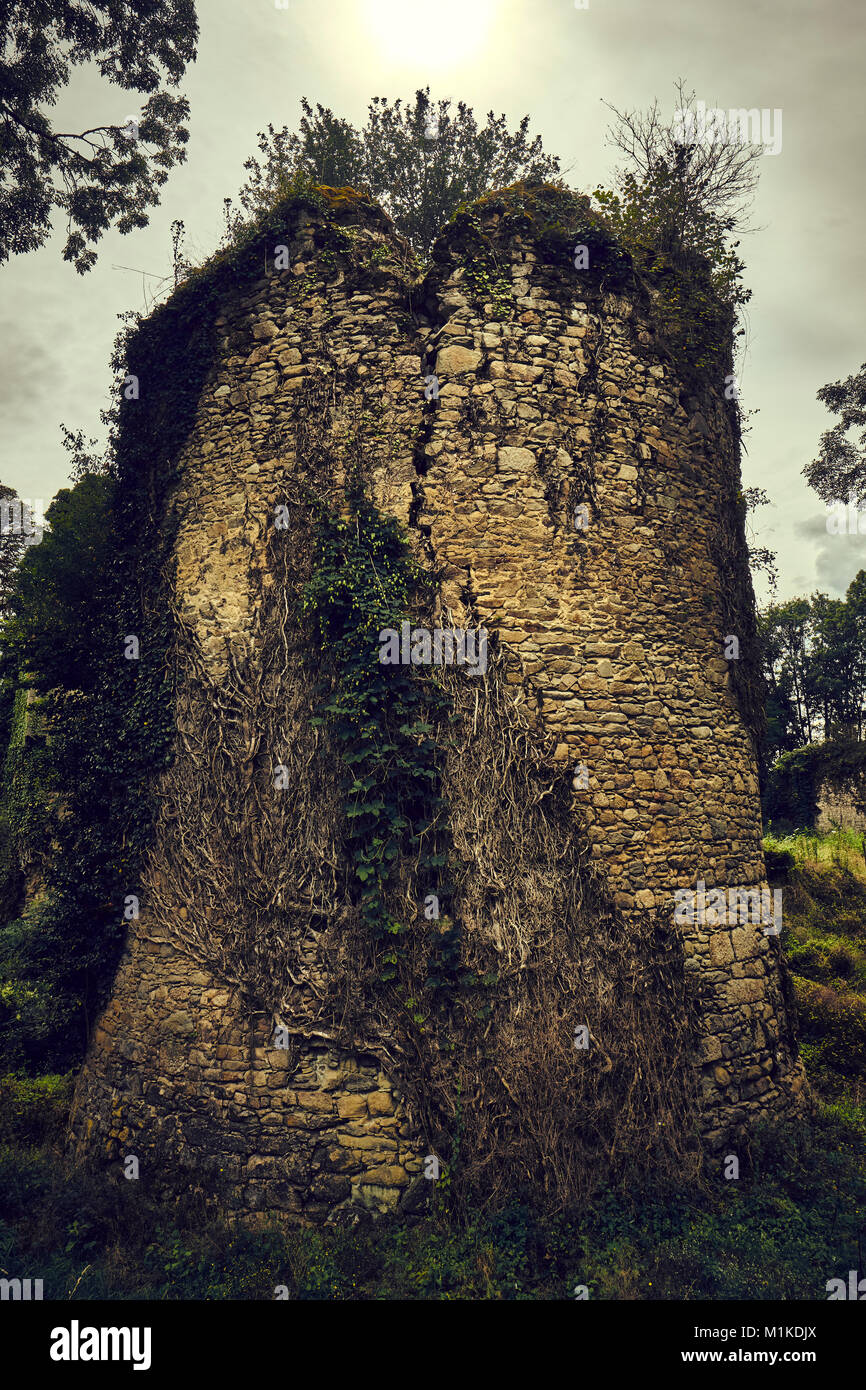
x: 384, y: 719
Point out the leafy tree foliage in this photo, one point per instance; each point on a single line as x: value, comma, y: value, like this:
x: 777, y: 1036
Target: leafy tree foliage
x: 814, y: 654
x: 325, y: 148
x: 110, y: 173
x: 11, y: 546
x: 839, y: 471
x: 677, y: 207
x: 682, y: 198
x: 64, y: 635
x: 56, y: 591
x: 761, y: 558
x: 85, y: 456
x: 783, y: 636
x: 420, y: 160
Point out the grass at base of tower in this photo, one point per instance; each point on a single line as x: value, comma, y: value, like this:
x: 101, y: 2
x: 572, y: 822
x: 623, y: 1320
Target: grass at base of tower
x: 782, y: 1230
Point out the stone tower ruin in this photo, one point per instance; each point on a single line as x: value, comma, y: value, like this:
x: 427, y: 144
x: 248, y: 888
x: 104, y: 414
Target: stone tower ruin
x: 568, y: 482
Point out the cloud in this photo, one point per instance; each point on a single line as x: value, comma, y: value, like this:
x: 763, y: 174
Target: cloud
x: 29, y: 375
x: 838, y: 558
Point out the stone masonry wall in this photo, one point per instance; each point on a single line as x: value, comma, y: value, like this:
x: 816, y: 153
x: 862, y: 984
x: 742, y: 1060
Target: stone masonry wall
x: 570, y: 399
x: 621, y: 624
x: 841, y: 804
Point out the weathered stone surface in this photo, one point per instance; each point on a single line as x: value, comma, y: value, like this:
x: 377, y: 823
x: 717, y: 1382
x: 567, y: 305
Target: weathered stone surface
x: 620, y: 625
x: 455, y: 360
x: 841, y: 802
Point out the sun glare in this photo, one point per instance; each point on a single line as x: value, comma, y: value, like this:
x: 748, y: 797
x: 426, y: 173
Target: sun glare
x: 439, y: 34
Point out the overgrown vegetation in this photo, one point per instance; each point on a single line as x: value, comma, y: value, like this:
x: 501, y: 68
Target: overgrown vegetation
x: 421, y: 160
x: 94, y: 581
x: 97, y: 578
x: 824, y: 896
x: 790, y: 798
x: 553, y: 217
x: 323, y: 927
x: 793, y: 1220
x: 677, y: 205
x: 399, y: 785
x: 362, y: 582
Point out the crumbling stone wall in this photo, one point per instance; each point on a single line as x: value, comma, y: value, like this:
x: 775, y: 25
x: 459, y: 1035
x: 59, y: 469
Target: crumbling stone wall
x: 841, y: 803
x: 554, y: 394
x: 821, y: 785
x: 623, y: 624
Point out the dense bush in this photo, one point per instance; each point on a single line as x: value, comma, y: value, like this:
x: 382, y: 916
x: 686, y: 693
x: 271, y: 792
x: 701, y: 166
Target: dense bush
x: 834, y: 1020
x: 790, y: 1223
x: 33, y: 1109
x: 825, y: 943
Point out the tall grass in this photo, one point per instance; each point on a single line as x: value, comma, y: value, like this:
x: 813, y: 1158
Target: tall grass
x: 844, y: 849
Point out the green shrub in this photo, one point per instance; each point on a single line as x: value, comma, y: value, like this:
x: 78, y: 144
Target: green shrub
x: 835, y: 1020
x: 779, y: 862
x: 787, y: 1225
x: 11, y: 880
x: 33, y: 1110
x: 26, y: 1177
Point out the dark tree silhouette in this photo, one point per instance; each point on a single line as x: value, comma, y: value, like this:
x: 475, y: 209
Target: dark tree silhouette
x: 109, y: 174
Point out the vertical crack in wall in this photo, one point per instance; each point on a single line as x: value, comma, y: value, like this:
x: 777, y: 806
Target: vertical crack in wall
x: 598, y: 654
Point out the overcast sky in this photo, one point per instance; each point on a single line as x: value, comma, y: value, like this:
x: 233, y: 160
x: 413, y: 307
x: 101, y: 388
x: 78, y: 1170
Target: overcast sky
x: 547, y: 58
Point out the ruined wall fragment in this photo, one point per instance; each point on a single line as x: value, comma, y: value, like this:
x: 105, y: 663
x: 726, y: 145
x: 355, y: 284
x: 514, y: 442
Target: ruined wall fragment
x: 556, y: 400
